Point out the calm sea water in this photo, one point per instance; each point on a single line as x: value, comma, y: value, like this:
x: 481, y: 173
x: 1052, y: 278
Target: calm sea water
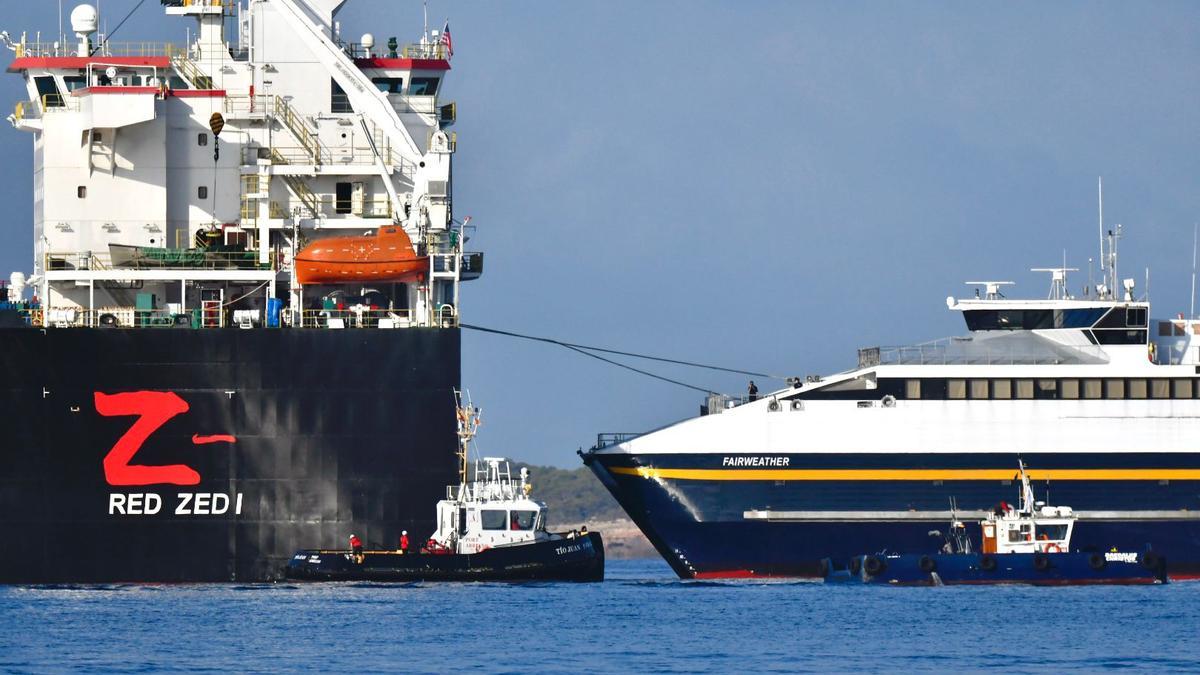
x: 641, y: 619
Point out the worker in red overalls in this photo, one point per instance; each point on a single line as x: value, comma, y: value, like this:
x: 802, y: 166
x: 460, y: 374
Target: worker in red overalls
x: 356, y: 547
x: 404, y: 541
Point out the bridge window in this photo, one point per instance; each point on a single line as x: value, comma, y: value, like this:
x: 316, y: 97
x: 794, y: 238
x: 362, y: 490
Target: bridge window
x: 1055, y: 532
x: 1009, y: 319
x: 1160, y: 389
x: 522, y: 520
x: 912, y: 389
x: 1114, y: 388
x: 1091, y: 389
x: 423, y: 86
x: 47, y: 90
x: 1024, y: 388
x: 1002, y: 389
x: 493, y: 519
x: 462, y: 521
x: 389, y: 85
x: 956, y: 389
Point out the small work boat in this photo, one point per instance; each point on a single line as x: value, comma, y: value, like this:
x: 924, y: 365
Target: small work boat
x: 488, y: 529
x: 386, y: 256
x: 1029, y: 544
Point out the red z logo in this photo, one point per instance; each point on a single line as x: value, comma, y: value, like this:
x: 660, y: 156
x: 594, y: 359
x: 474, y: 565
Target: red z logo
x: 154, y: 409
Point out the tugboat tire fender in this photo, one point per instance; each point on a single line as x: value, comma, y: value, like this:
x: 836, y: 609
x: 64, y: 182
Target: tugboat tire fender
x: 855, y: 565
x: 874, y: 566
x: 1040, y: 562
x: 1152, y: 560
x: 927, y: 564
x: 987, y: 563
x: 1096, y: 561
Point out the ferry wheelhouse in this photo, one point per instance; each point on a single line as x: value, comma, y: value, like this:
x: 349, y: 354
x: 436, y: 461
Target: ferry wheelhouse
x: 1099, y: 398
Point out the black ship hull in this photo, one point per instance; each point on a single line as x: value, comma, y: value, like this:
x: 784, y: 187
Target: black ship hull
x: 577, y: 559
x: 213, y: 455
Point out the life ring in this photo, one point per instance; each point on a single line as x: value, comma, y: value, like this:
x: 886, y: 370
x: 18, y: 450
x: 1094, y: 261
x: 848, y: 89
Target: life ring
x: 1040, y: 562
x: 1052, y: 548
x: 874, y: 566
x: 987, y: 563
x: 927, y: 564
x: 1096, y: 561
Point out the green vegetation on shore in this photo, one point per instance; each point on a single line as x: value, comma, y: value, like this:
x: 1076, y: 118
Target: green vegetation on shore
x: 572, y: 495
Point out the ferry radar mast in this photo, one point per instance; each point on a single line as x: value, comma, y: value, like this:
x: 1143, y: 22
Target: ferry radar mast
x: 991, y: 288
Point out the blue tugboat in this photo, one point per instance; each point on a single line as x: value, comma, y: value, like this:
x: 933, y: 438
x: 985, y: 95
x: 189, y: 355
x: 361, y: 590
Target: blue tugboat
x: 488, y: 529
x: 1029, y: 544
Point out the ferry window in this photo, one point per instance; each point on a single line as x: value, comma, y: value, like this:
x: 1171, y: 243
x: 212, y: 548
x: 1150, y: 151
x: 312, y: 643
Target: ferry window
x: 202, y: 140
x: 74, y: 82
x: 1114, y: 388
x: 979, y: 388
x: 1160, y: 389
x: 1120, y: 337
x: 1056, y: 532
x: 912, y: 389
x: 1165, y: 328
x: 1046, y: 389
x: 1024, y: 388
x: 423, y: 86
x: 956, y: 389
x: 47, y: 90
x: 1002, y: 389
x: 81, y: 192
x: 343, y: 198
x: 1078, y: 318
x: 1137, y: 389
x: 1135, y: 317
x: 202, y: 192
x: 1181, y: 389
x: 1091, y: 388
x: 522, y: 520
x: 390, y: 85
x: 494, y: 520
x: 1069, y: 389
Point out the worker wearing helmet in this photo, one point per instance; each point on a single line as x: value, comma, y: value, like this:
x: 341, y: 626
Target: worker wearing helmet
x: 404, y: 541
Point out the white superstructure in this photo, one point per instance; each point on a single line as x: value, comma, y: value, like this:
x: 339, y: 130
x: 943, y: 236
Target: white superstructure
x: 194, y: 172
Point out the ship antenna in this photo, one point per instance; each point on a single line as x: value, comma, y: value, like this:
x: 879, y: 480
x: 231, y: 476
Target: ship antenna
x: 1192, y: 309
x: 1100, y: 200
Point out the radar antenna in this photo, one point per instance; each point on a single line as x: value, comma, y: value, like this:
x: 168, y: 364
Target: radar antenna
x: 1058, y: 281
x: 991, y: 288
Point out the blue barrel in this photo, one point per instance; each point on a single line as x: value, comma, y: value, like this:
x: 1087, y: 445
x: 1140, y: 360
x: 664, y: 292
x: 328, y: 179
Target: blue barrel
x: 274, y: 310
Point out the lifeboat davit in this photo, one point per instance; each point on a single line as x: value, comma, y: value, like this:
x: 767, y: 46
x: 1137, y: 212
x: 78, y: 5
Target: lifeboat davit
x: 384, y: 256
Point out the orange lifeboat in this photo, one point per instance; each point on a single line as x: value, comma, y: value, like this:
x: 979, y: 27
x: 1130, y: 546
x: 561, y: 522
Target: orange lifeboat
x: 385, y: 256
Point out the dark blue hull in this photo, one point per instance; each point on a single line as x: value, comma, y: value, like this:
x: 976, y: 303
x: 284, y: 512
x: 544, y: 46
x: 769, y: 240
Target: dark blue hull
x: 711, y: 521
x: 1037, y: 569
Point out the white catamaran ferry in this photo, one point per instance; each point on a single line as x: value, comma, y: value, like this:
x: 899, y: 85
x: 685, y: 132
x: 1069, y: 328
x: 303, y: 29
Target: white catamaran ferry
x: 1100, y: 400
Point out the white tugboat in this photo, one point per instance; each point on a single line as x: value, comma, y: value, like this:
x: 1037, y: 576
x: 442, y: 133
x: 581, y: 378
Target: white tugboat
x: 489, y: 528
x: 1029, y: 544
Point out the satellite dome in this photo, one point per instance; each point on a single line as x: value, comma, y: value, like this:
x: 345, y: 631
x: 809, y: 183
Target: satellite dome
x: 84, y: 19
x: 368, y: 40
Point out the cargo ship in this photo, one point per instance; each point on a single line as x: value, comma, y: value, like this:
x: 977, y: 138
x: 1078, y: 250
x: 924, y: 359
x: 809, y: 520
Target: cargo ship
x: 181, y: 402
x: 1100, y: 400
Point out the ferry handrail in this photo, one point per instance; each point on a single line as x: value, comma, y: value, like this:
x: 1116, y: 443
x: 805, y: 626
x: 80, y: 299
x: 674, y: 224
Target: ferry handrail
x: 614, y: 437
x: 936, y: 352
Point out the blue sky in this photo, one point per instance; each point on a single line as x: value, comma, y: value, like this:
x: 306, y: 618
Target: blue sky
x: 767, y: 185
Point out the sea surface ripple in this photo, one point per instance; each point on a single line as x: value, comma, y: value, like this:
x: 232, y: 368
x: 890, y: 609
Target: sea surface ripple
x: 641, y: 619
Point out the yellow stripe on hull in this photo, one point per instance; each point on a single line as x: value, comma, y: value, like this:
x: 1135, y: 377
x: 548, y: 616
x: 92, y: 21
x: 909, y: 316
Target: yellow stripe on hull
x: 907, y: 474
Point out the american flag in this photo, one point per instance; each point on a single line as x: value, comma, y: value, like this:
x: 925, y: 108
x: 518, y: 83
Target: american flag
x: 446, y: 41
